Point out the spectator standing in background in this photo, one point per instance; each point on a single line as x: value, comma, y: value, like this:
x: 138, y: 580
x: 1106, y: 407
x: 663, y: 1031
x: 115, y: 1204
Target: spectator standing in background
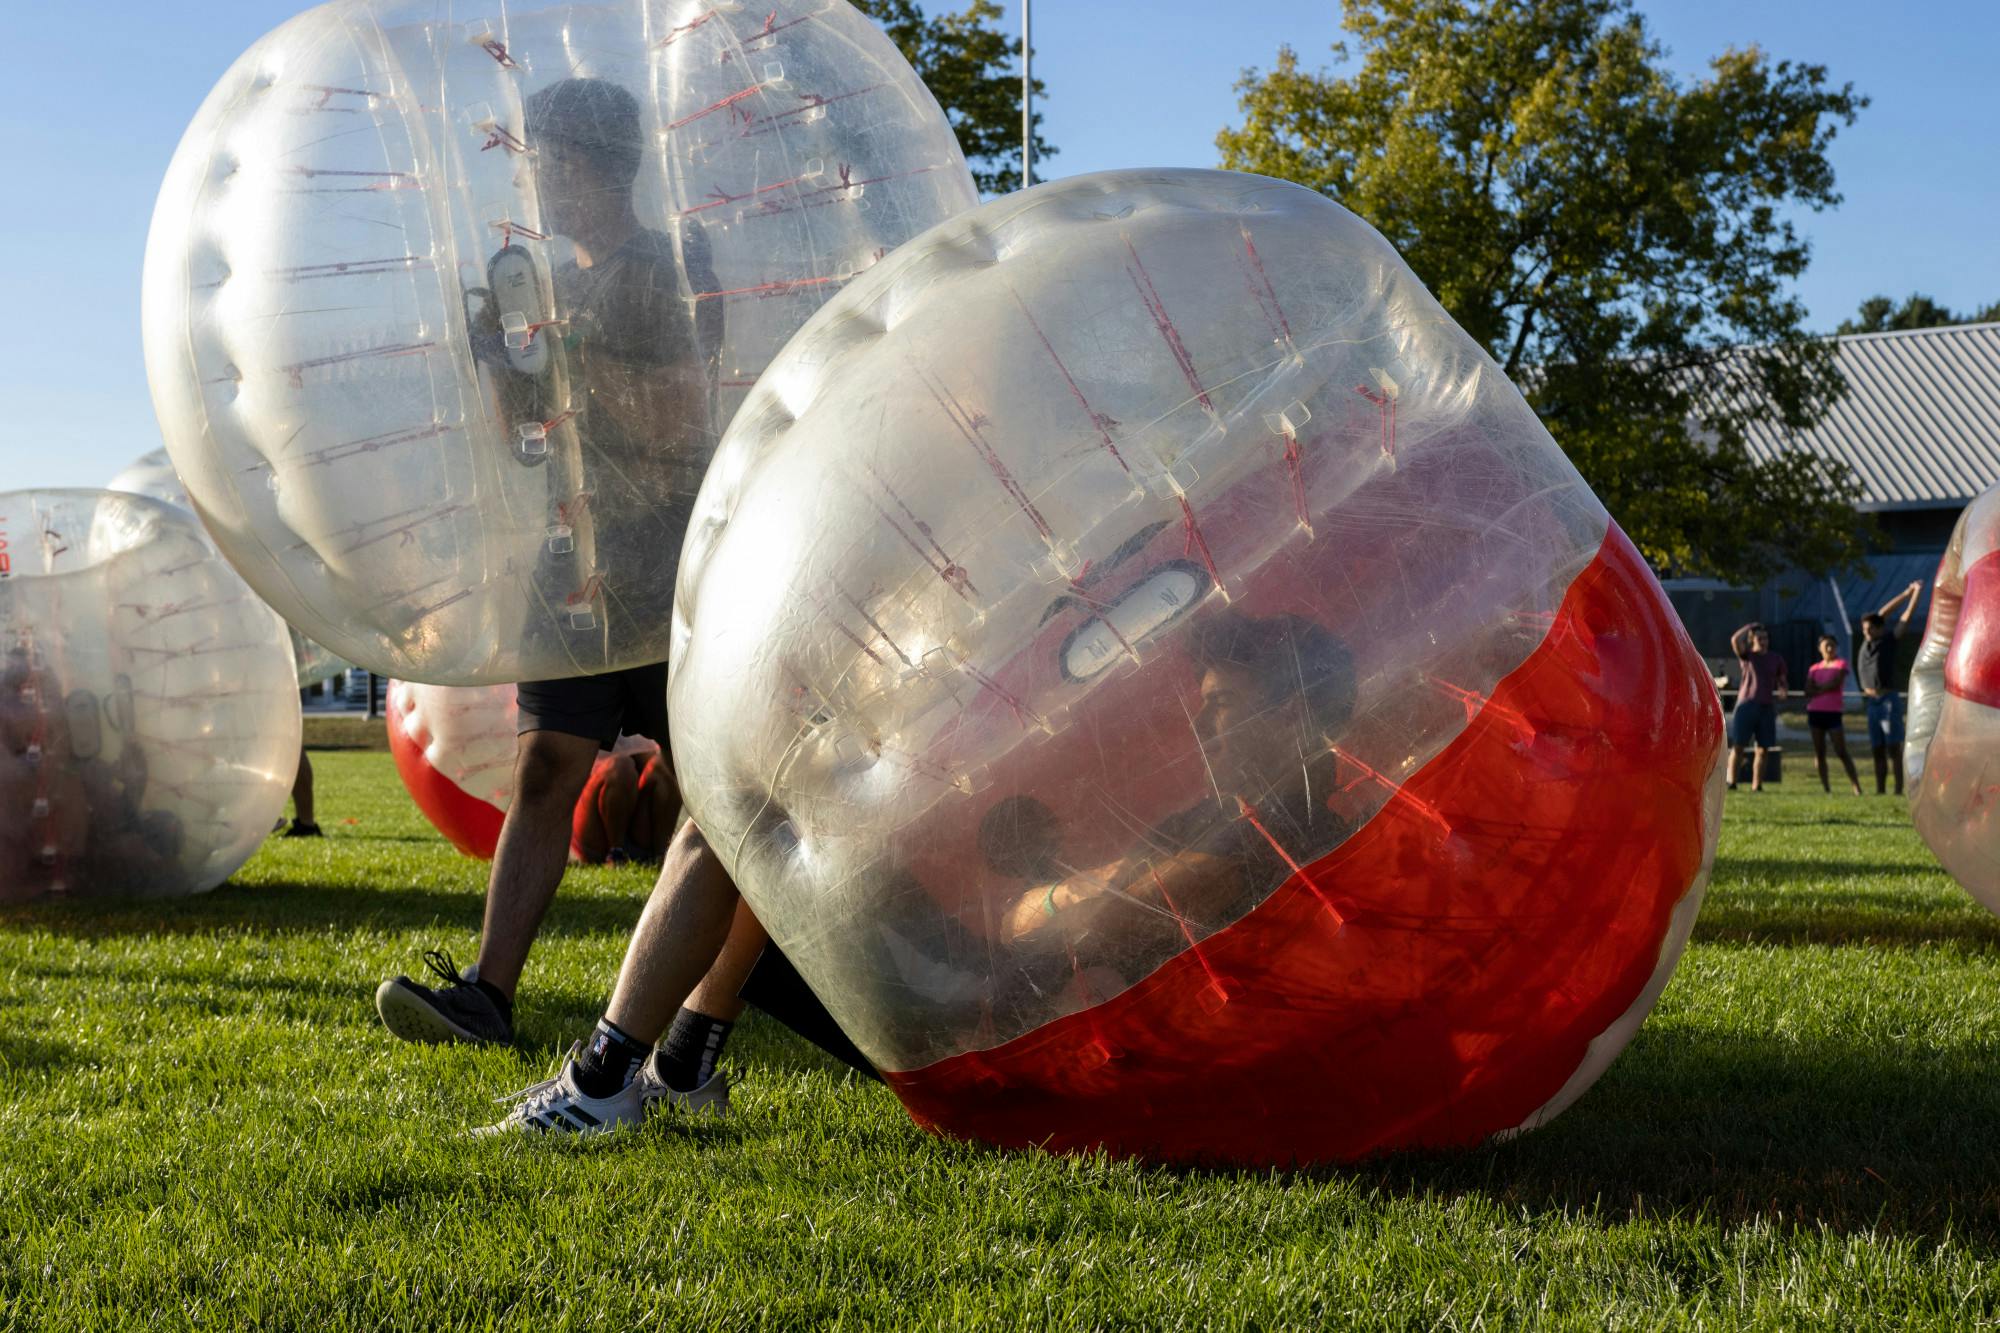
x: 1874, y: 668
x: 1755, y: 721
x: 1826, y: 686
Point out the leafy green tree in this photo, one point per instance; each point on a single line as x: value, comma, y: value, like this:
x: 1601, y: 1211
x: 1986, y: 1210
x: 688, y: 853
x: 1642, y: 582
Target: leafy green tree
x: 1613, y: 236
x: 1878, y: 314
x: 973, y: 70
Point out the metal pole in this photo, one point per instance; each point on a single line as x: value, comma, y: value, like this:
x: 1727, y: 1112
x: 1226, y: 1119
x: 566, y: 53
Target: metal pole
x: 1027, y: 94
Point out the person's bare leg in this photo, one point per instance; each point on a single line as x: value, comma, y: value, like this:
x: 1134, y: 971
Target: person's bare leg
x: 1819, y: 758
x: 302, y: 790
x: 549, y: 772
x: 1757, y: 768
x: 1846, y: 761
x: 678, y: 941
x: 1735, y: 758
x: 659, y: 802
x: 720, y: 994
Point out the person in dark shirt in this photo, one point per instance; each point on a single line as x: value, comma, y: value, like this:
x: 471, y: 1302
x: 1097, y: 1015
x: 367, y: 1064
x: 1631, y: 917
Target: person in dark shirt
x: 1755, y: 720
x: 626, y: 400
x: 1874, y: 668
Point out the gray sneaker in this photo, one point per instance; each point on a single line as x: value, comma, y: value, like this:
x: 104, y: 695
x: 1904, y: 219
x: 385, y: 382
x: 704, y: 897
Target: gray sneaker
x: 456, y: 1011
x: 711, y: 1098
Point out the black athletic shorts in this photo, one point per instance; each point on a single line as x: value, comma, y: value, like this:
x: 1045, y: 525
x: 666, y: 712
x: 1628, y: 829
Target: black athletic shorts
x: 1827, y: 720
x: 776, y: 987
x: 598, y: 708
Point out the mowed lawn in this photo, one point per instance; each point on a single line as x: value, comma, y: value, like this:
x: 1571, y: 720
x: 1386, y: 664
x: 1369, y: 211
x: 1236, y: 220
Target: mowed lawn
x: 203, y: 1125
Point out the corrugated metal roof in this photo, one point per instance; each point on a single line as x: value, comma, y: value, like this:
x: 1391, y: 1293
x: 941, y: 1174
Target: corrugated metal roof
x: 1920, y: 421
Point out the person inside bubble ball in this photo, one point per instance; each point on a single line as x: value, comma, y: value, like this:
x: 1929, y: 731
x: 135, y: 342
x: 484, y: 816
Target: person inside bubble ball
x: 71, y: 819
x: 1273, y: 692
x: 627, y: 809
x: 640, y: 372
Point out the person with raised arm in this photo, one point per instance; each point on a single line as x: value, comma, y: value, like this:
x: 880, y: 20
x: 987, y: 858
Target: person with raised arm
x: 1755, y: 719
x: 1874, y: 668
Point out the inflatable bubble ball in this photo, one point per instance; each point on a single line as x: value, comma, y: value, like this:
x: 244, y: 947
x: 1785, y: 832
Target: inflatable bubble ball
x: 149, y: 727
x: 1168, y: 693
x: 153, y: 475
x: 1952, y: 749
x: 445, y: 307
x: 454, y: 748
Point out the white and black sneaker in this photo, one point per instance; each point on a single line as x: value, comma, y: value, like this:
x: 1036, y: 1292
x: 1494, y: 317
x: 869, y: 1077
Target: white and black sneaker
x: 711, y: 1098
x: 557, y: 1106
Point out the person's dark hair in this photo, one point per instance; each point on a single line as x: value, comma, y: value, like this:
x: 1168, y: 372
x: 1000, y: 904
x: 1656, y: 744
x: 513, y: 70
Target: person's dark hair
x: 594, y: 117
x: 1828, y: 638
x: 1289, y: 656
x: 1872, y: 618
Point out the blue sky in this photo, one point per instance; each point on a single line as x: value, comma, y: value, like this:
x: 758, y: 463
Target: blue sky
x: 99, y: 94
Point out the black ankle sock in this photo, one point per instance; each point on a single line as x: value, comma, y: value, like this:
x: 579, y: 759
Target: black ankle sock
x: 609, y: 1060
x: 693, y: 1044
x: 499, y: 998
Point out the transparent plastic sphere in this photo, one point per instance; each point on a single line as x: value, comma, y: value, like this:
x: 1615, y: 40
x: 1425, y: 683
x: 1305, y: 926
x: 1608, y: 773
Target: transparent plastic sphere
x: 444, y: 308
x: 153, y: 475
x: 1951, y: 755
x: 455, y: 747
x: 1167, y: 692
x: 148, y: 726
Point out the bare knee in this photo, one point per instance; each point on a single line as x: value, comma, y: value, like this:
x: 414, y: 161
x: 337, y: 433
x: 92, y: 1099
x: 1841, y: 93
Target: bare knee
x: 551, y: 768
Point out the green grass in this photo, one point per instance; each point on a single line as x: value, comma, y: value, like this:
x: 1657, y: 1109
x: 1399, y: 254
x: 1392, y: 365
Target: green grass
x: 202, y: 1124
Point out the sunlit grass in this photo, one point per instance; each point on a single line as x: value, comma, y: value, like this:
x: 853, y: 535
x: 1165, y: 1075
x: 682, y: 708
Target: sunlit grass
x: 203, y: 1124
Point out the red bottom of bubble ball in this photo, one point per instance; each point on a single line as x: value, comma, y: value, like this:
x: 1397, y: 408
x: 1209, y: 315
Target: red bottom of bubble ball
x: 468, y: 823
x: 1438, y: 977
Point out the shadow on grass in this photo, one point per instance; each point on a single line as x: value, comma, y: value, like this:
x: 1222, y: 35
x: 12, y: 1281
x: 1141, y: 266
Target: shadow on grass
x: 1826, y: 917
x: 20, y: 1054
x: 1850, y: 1137
x: 294, y: 906
x: 1804, y: 871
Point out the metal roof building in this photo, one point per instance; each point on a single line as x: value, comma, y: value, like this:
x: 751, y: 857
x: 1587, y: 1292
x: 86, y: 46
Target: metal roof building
x: 1920, y: 426
x: 1920, y: 421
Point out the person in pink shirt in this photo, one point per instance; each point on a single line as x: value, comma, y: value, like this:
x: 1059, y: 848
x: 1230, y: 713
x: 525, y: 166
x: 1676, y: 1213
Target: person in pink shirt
x: 1826, y: 685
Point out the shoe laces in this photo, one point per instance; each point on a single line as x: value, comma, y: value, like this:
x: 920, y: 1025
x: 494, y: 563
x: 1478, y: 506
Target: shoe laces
x: 537, y: 1097
x: 440, y: 964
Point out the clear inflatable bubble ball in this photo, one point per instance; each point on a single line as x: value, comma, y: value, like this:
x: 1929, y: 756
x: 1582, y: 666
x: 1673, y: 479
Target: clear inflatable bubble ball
x: 153, y: 475
x: 149, y: 728
x: 445, y: 307
x: 455, y: 747
x: 1952, y: 751
x: 1167, y: 692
